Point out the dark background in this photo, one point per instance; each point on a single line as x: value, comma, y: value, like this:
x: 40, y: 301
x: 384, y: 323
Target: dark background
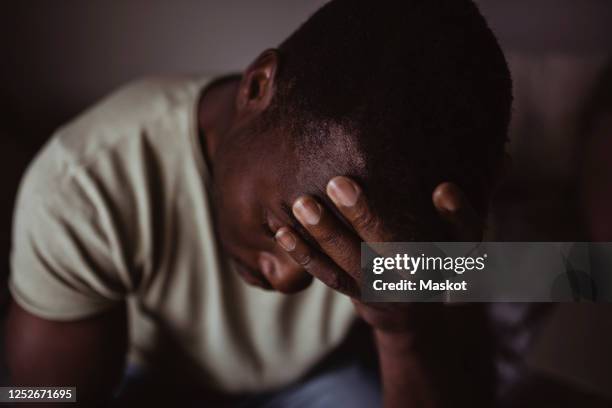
x: 56, y: 58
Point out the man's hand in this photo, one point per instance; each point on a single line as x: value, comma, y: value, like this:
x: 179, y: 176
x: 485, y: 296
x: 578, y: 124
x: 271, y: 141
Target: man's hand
x: 411, y: 376
x: 337, y: 264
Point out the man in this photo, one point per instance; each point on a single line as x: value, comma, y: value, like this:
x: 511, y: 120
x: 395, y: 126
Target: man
x: 374, y: 121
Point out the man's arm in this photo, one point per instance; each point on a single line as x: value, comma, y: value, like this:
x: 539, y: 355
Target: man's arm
x: 405, y: 380
x: 416, y: 372
x: 88, y: 353
x: 447, y: 362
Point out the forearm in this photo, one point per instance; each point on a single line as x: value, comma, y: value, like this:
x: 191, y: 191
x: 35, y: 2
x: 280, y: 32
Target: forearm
x: 88, y: 354
x: 441, y: 367
x: 405, y: 380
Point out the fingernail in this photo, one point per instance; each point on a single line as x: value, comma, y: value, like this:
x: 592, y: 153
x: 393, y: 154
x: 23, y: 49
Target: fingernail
x: 451, y: 204
x: 342, y: 191
x: 307, y: 210
x: 266, y: 266
x: 446, y: 198
x: 285, y: 239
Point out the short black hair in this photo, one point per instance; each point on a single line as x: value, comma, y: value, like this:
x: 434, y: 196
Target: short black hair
x: 421, y: 85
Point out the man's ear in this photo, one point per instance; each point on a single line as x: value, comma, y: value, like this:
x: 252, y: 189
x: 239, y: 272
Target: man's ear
x: 258, y: 83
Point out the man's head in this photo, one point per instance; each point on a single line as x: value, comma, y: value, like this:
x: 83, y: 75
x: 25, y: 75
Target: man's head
x: 399, y: 95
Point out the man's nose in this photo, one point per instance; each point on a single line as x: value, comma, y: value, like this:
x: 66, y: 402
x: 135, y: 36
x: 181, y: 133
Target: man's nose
x: 283, y: 273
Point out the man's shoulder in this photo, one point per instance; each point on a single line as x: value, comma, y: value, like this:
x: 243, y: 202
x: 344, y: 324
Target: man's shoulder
x: 131, y: 111
x: 88, y: 212
x: 103, y: 146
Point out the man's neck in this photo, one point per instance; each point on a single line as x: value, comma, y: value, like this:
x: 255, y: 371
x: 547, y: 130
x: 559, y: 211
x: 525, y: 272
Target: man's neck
x: 216, y: 110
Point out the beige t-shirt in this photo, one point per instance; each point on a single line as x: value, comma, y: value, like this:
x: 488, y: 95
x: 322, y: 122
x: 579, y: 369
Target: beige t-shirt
x: 117, y: 206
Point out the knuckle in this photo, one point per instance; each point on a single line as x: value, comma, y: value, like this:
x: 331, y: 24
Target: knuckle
x: 328, y: 238
x: 339, y: 283
x: 349, y: 261
x: 364, y: 220
x: 304, y: 259
x: 335, y: 282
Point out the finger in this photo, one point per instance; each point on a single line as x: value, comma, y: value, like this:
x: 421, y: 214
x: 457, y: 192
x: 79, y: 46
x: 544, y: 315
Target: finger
x: 339, y: 243
x: 316, y: 263
x: 452, y: 204
x: 351, y: 202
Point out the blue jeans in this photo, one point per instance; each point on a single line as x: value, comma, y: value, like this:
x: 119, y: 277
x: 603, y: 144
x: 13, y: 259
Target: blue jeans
x: 347, y: 386
x: 350, y: 385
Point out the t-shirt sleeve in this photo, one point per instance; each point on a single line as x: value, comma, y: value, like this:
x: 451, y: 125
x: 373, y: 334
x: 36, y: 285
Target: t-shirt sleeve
x: 65, y: 260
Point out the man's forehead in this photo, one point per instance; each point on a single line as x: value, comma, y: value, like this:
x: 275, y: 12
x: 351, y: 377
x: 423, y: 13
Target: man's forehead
x: 317, y: 159
x: 309, y: 160
x: 330, y: 151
